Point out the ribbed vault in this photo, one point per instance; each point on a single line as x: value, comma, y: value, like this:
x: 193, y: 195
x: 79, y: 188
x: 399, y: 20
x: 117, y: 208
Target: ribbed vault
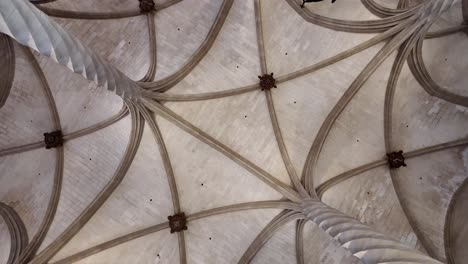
x: 283, y: 170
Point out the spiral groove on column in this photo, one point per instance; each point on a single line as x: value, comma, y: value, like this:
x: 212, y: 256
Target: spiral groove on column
x: 31, y: 27
x: 361, y: 240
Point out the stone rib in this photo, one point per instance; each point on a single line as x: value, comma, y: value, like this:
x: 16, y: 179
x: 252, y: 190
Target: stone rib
x: 31, y: 27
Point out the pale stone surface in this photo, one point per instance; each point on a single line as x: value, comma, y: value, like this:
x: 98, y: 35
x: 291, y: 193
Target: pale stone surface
x: 388, y: 3
x: 141, y: 200
x: 207, y: 179
x: 303, y: 104
x: 25, y: 115
x: 444, y: 64
x: 29, y: 177
x: 283, y: 241
x: 372, y: 199
x: 341, y: 10
x: 232, y: 61
x: 359, y: 129
x: 306, y: 43
x: 157, y: 248
x: 231, y: 234
x: 90, y: 162
x: 178, y: 37
x: 416, y: 113
x: 230, y: 122
x: 122, y: 42
x: 93, y: 6
x: 427, y: 186
x: 80, y: 103
x: 225, y: 185
x: 459, y: 229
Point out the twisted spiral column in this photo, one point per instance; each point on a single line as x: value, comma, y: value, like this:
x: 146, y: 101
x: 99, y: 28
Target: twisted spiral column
x: 32, y: 28
x: 433, y: 8
x: 361, y: 240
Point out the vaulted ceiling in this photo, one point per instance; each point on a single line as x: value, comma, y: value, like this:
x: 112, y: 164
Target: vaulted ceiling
x: 186, y: 126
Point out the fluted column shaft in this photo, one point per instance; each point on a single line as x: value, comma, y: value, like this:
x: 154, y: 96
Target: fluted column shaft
x: 361, y: 240
x: 29, y: 26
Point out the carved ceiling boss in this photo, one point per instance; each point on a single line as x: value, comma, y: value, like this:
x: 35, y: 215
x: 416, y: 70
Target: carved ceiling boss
x: 310, y: 1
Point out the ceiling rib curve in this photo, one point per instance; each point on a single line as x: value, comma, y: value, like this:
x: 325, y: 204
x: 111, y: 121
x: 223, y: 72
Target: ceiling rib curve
x: 405, y: 29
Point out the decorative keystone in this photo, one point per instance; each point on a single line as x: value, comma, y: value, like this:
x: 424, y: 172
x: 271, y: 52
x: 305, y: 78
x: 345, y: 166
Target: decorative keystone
x: 396, y: 160
x: 267, y: 81
x: 177, y: 222
x: 53, y: 139
x: 146, y: 5
x: 310, y: 1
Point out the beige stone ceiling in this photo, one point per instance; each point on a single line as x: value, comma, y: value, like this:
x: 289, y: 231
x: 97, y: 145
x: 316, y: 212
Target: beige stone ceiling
x: 117, y: 205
